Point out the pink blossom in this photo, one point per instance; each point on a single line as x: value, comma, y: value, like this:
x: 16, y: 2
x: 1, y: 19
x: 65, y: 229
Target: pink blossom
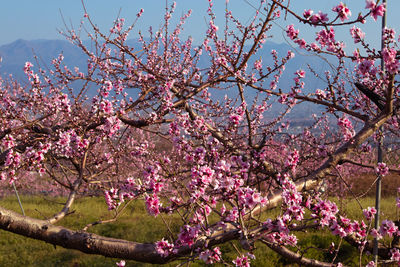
x: 106, y: 88
x: 112, y: 125
x: 249, y: 198
x: 291, y: 32
x: 301, y: 42
x: 395, y: 254
x: 391, y: 63
x: 211, y: 256
x: 326, y: 211
x: 375, y: 234
x: 283, y: 98
x: 369, y: 213
x: 238, y: 114
x: 27, y: 67
x: 243, y: 261
x: 361, y: 19
x: 111, y: 196
x: 320, y: 17
x: 64, y: 103
x: 320, y: 94
x: 121, y: 263
x: 375, y: 10
x: 258, y: 64
x: 164, y: 248
x: 300, y: 73
x: 370, y: 4
x: 326, y: 37
x: 307, y: 13
x: 293, y: 159
x: 382, y: 169
x: 365, y: 66
x: 389, y: 34
x: 357, y: 34
x: 235, y: 119
x: 378, y: 11
x: 343, y: 11
x: 139, y: 14
x: 188, y: 235
x: 153, y: 204
x: 337, y: 229
x: 233, y: 215
x: 388, y: 228
x: 106, y: 106
x: 346, y: 127
x: 212, y: 30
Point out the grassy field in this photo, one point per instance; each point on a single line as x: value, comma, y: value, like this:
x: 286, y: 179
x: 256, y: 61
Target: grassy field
x: 136, y: 225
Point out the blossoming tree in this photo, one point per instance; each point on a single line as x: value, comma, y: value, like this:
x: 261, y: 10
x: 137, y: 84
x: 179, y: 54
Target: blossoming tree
x: 145, y: 125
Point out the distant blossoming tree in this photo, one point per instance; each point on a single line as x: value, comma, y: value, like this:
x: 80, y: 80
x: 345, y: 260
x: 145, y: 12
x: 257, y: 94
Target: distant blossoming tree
x: 147, y: 125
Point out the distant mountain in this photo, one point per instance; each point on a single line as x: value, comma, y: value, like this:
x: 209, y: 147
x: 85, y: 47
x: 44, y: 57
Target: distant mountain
x: 15, y: 55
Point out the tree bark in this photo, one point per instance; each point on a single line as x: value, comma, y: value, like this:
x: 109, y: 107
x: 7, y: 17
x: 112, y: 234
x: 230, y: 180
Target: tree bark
x: 79, y: 240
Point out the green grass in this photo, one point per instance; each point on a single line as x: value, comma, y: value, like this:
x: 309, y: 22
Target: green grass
x: 133, y: 225
x: 136, y: 225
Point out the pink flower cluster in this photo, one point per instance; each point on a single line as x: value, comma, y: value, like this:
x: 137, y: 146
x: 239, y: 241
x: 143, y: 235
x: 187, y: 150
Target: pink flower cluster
x: 106, y: 107
x: 188, y: 235
x: 343, y: 11
x: 164, y: 248
x: 71, y: 144
x: 111, y: 126
x: 113, y: 199
x: 236, y: 117
x: 120, y: 263
x: 391, y: 63
x: 395, y: 255
x: 346, y: 127
x: 367, y: 67
x: 292, y: 159
x: 357, y: 34
x: 243, y: 260
x: 315, y: 18
x: 153, y: 204
x: 325, y: 211
x: 211, y: 256
x: 382, y: 169
x: 249, y: 198
x: 292, y: 33
x: 106, y: 88
x: 376, y: 10
x: 388, y: 228
x: 326, y: 38
x: 369, y: 213
x: 292, y: 199
x: 118, y: 24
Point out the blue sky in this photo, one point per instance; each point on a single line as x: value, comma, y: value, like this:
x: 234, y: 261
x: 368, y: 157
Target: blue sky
x: 40, y: 19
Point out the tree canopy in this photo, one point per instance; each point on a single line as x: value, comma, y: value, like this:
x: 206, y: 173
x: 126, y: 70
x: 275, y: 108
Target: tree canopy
x: 204, y: 140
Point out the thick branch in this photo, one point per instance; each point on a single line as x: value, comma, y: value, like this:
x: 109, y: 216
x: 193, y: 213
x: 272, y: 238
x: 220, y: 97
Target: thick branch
x: 83, y: 241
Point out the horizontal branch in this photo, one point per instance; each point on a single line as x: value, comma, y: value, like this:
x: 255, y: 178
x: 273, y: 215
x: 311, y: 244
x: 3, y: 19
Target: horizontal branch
x: 83, y: 241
